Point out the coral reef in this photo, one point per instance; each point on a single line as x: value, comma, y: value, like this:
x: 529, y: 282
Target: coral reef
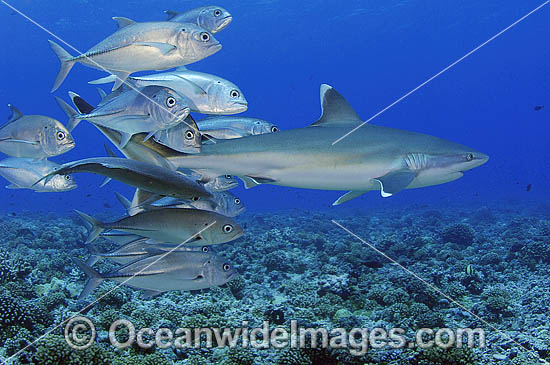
x: 295, y: 266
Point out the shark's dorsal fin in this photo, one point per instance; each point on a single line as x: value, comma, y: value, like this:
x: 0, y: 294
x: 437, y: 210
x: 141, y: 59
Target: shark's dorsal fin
x: 182, y: 68
x: 336, y: 110
x: 15, y: 113
x: 123, y: 22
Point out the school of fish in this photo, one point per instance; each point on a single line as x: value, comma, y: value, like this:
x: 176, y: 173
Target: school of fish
x: 183, y: 169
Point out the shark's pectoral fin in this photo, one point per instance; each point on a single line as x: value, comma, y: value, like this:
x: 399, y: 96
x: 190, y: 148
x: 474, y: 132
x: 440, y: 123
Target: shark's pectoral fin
x: 251, y: 181
x: 336, y: 110
x: 395, y: 181
x: 348, y: 196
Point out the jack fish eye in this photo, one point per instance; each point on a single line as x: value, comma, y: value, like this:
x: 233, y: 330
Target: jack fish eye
x: 228, y: 177
x: 228, y: 228
x: 205, y: 249
x: 234, y: 94
x: 67, y: 177
x: 205, y: 37
x: 217, y: 12
x: 170, y: 102
x: 274, y: 129
x: 189, y: 135
x: 469, y: 157
x: 226, y: 267
x: 237, y: 201
x: 60, y: 135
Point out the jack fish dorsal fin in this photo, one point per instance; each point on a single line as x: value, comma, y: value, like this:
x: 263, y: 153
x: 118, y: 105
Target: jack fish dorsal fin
x: 15, y: 113
x: 335, y: 109
x: 123, y: 22
x: 171, y: 14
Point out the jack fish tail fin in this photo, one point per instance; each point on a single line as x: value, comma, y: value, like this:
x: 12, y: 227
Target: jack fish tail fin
x: 70, y: 112
x: 67, y: 62
x: 95, y: 278
x: 96, y: 227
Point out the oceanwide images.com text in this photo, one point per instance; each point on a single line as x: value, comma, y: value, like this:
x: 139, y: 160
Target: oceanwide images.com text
x: 80, y: 334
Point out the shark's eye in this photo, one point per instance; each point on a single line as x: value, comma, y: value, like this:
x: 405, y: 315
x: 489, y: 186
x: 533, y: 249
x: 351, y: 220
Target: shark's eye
x: 205, y: 37
x: 217, y: 12
x: 61, y: 135
x: 274, y: 129
x: 226, y: 267
x: 228, y: 228
x: 469, y: 157
x: 170, y: 102
x: 189, y: 135
x: 237, y: 201
x: 205, y: 249
x: 228, y: 177
x: 234, y: 94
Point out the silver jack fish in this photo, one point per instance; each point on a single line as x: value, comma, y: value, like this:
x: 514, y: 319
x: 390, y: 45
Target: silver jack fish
x: 23, y: 173
x: 192, y: 226
x: 148, y: 110
x: 140, y: 47
x: 142, y: 175
x: 204, y: 93
x: 158, y: 274
x: 147, y: 150
x: 139, y: 248
x: 224, y: 203
x: 372, y: 158
x: 234, y: 127
x: 211, y: 18
x: 34, y: 136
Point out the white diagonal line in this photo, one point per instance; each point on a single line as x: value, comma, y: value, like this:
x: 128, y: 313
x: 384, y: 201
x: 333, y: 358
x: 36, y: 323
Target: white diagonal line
x: 116, y: 287
x: 444, y: 70
x: 91, y: 60
x: 433, y: 287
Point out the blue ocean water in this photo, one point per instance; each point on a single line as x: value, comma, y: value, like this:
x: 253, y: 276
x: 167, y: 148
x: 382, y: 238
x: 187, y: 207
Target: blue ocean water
x: 483, y: 239
x: 279, y: 52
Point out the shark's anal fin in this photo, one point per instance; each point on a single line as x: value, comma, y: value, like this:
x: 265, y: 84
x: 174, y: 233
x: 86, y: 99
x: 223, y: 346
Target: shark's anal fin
x: 251, y: 181
x: 335, y: 109
x: 348, y: 196
x: 395, y: 181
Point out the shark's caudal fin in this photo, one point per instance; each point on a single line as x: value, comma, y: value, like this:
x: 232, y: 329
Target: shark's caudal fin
x: 335, y: 110
x: 67, y: 62
x: 96, y: 226
x: 95, y: 278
